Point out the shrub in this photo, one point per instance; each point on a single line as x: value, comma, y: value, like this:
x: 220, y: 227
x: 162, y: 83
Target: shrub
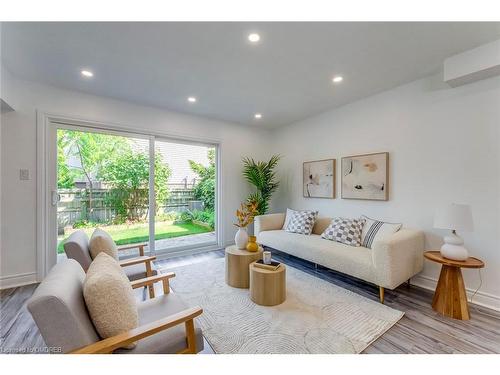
x: 87, y: 224
x: 205, y: 189
x: 207, y: 217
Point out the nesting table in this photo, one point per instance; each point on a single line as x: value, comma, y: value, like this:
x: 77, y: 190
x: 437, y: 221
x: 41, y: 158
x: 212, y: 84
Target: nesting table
x: 237, y: 263
x: 267, y: 287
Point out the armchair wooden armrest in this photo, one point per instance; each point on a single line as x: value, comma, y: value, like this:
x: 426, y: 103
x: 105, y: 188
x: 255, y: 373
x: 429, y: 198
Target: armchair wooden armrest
x: 148, y: 281
x: 136, y: 260
x: 139, y: 246
x: 147, y: 260
x: 123, y: 339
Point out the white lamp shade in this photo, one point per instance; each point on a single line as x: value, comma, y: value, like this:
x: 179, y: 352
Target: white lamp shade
x: 454, y: 216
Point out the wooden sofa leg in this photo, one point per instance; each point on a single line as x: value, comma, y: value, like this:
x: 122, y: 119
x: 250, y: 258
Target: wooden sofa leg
x: 381, y: 291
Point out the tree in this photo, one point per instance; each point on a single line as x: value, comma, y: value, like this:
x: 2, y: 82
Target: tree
x: 261, y: 174
x: 92, y: 150
x: 205, y: 188
x: 128, y: 176
x: 65, y: 175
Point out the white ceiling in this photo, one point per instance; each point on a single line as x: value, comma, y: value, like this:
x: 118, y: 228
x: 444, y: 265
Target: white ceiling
x: 286, y: 77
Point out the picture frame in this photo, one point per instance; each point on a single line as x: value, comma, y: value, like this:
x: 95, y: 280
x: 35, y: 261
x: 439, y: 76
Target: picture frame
x: 365, y: 176
x: 319, y: 179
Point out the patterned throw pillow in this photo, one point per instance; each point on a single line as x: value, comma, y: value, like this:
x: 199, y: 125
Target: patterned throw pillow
x: 375, y: 230
x: 302, y: 222
x: 346, y: 231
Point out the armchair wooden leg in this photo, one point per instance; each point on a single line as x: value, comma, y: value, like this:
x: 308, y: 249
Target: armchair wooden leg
x: 149, y: 273
x: 166, y: 286
x: 381, y: 291
x: 190, y: 337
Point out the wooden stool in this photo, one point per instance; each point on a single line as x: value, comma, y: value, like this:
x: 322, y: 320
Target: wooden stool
x: 268, y: 288
x: 237, y: 262
x: 450, y: 298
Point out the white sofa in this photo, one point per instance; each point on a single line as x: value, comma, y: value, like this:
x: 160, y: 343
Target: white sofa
x: 388, y: 264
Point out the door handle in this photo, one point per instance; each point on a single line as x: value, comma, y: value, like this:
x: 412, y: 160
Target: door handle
x: 55, y: 197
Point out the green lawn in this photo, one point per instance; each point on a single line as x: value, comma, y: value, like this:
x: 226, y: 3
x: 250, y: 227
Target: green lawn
x: 134, y: 233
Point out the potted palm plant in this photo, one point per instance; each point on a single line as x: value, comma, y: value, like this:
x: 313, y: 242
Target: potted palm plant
x: 262, y: 175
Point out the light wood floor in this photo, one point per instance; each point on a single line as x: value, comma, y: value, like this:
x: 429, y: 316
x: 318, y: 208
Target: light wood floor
x: 421, y: 330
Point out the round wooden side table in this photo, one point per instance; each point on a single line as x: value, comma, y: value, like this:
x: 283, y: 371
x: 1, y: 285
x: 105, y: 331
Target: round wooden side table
x: 237, y: 262
x: 450, y: 298
x: 267, y: 287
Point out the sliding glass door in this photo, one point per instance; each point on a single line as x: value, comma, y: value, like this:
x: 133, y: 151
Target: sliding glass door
x: 138, y: 188
x: 185, y: 206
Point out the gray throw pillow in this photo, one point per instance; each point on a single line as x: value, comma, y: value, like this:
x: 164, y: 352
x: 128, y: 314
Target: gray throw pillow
x: 302, y: 222
x: 346, y: 231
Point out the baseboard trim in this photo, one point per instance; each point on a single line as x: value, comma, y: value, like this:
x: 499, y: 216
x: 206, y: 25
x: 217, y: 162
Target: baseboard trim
x: 12, y: 281
x: 481, y: 298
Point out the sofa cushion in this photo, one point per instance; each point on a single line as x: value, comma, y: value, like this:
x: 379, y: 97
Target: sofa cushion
x: 101, y: 241
x: 109, y: 297
x: 375, y: 230
x: 343, y: 230
x: 355, y: 261
x: 302, y: 222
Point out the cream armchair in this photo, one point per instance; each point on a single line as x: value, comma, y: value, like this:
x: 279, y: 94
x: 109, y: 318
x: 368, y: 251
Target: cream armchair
x: 76, y: 247
x: 166, y: 323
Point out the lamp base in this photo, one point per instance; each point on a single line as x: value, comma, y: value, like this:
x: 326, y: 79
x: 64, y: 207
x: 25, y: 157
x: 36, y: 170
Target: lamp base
x: 453, y: 249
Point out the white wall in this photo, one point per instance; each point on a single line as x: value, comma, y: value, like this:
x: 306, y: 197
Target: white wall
x: 444, y: 147
x: 443, y: 144
x: 18, y: 148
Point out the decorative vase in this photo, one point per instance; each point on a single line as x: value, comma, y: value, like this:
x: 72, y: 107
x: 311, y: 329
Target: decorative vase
x: 252, y: 245
x: 241, y: 238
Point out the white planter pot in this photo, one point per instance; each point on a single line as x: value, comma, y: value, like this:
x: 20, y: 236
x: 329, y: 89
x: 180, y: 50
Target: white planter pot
x: 241, y: 238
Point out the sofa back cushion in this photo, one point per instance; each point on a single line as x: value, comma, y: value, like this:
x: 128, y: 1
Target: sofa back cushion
x: 375, y: 230
x: 109, y: 297
x: 59, y: 310
x: 101, y: 241
x: 346, y: 231
x: 321, y: 224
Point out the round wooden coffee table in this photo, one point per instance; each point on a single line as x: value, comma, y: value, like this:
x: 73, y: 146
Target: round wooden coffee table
x: 268, y: 288
x: 450, y: 298
x: 237, y: 262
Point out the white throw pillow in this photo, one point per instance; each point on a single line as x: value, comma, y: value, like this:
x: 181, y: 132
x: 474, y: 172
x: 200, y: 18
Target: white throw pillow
x: 302, y: 222
x: 346, y: 231
x: 109, y: 298
x: 288, y: 216
x: 375, y: 230
x: 102, y: 241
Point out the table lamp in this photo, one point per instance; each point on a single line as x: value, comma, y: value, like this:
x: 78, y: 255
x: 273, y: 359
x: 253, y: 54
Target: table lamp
x: 455, y: 217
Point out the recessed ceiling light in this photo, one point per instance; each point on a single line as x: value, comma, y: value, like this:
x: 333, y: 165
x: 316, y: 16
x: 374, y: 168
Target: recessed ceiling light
x: 337, y: 79
x: 192, y: 99
x: 258, y: 115
x: 254, y: 38
x: 87, y: 73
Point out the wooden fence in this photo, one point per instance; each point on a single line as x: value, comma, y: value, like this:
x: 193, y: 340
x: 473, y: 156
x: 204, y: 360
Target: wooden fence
x: 74, y: 204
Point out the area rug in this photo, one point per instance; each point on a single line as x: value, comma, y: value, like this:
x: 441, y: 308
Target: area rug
x: 317, y: 316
